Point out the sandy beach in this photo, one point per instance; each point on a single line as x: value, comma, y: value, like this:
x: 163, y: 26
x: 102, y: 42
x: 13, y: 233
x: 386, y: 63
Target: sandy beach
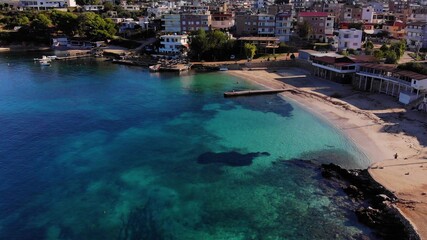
x: 378, y: 124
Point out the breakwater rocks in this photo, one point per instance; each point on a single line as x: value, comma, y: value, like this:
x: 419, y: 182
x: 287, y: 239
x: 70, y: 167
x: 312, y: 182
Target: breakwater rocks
x: 372, y: 203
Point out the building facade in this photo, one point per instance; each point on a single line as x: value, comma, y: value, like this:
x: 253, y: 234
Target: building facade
x: 46, y: 4
x: 321, y: 23
x: 416, y: 35
x: 171, y: 23
x: 349, y: 39
x: 284, y: 26
x: 173, y: 44
x: 194, y: 22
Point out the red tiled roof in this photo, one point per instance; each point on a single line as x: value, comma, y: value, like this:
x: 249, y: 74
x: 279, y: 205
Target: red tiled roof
x: 313, y: 14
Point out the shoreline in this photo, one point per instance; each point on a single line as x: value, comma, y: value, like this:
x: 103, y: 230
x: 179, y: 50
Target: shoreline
x: 374, y: 136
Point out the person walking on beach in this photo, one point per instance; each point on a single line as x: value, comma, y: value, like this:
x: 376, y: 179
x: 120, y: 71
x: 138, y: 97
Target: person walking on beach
x: 395, y: 156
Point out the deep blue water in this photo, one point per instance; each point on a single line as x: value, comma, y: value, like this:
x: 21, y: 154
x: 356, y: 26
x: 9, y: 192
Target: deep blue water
x: 92, y: 150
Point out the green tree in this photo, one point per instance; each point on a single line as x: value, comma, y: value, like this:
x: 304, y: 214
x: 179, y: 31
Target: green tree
x: 108, y: 6
x: 24, y: 21
x: 199, y: 43
x: 378, y: 54
x: 304, y: 29
x: 390, y: 57
x: 369, y: 45
x: 399, y: 48
x: 250, y: 50
x: 41, y: 24
x: 65, y: 22
x: 94, y: 27
x: 384, y: 48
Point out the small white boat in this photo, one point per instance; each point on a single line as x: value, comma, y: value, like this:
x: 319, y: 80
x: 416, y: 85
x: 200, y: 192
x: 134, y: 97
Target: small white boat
x: 223, y: 69
x: 46, y: 58
x: 44, y: 63
x: 154, y: 68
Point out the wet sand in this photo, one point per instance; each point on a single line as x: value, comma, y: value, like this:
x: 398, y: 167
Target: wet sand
x: 377, y: 124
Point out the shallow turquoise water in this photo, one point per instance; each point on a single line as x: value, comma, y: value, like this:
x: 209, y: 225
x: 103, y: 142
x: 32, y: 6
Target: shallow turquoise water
x: 92, y: 150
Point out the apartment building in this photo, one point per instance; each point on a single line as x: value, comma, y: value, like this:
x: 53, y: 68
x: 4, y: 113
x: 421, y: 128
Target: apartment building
x: 193, y: 22
x: 322, y: 24
x: 416, y: 35
x: 173, y: 44
x: 246, y: 25
x: 46, y: 4
x: 171, y: 23
x: 284, y: 26
x: 222, y: 20
x: 349, y: 39
x: 266, y: 25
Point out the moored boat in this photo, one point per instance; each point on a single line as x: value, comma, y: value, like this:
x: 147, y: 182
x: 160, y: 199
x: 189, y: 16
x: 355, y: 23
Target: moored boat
x: 154, y: 68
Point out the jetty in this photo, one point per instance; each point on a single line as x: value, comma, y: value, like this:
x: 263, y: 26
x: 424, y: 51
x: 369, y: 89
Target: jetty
x: 72, y: 57
x: 253, y: 92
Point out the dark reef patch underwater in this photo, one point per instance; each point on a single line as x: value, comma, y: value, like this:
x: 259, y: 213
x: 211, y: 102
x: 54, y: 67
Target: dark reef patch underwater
x: 234, y: 159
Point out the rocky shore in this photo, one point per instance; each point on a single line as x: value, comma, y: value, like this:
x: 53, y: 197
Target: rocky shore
x: 371, y: 202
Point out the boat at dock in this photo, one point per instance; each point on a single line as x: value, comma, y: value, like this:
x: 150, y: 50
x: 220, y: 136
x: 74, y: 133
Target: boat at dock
x: 45, y: 58
x: 154, y: 68
x: 44, y: 63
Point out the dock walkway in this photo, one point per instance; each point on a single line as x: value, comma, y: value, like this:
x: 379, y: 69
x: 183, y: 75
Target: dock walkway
x: 74, y: 57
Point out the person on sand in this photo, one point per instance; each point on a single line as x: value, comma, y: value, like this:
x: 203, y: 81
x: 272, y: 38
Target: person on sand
x: 395, y: 156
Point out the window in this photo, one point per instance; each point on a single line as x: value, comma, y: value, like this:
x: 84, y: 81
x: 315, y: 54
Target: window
x: 356, y: 36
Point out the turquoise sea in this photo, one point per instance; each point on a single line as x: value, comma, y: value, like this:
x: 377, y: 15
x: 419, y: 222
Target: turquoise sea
x: 92, y: 150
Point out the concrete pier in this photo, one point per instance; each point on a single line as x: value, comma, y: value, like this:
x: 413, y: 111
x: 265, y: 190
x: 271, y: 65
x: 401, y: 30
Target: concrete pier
x: 252, y: 92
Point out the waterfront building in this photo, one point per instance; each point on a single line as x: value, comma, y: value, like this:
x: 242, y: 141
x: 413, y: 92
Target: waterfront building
x: 263, y: 44
x: 408, y: 86
x: 337, y: 69
x: 173, y: 44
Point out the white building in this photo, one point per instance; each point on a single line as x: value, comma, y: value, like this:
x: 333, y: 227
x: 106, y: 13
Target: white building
x: 283, y: 26
x: 349, y: 39
x: 46, y: 4
x: 173, y: 44
x: 171, y: 23
x: 131, y: 7
x: 416, y: 35
x: 368, y: 14
x: 379, y: 7
x: 93, y: 8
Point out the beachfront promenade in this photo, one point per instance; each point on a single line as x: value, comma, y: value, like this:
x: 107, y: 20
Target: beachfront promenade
x: 377, y: 123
